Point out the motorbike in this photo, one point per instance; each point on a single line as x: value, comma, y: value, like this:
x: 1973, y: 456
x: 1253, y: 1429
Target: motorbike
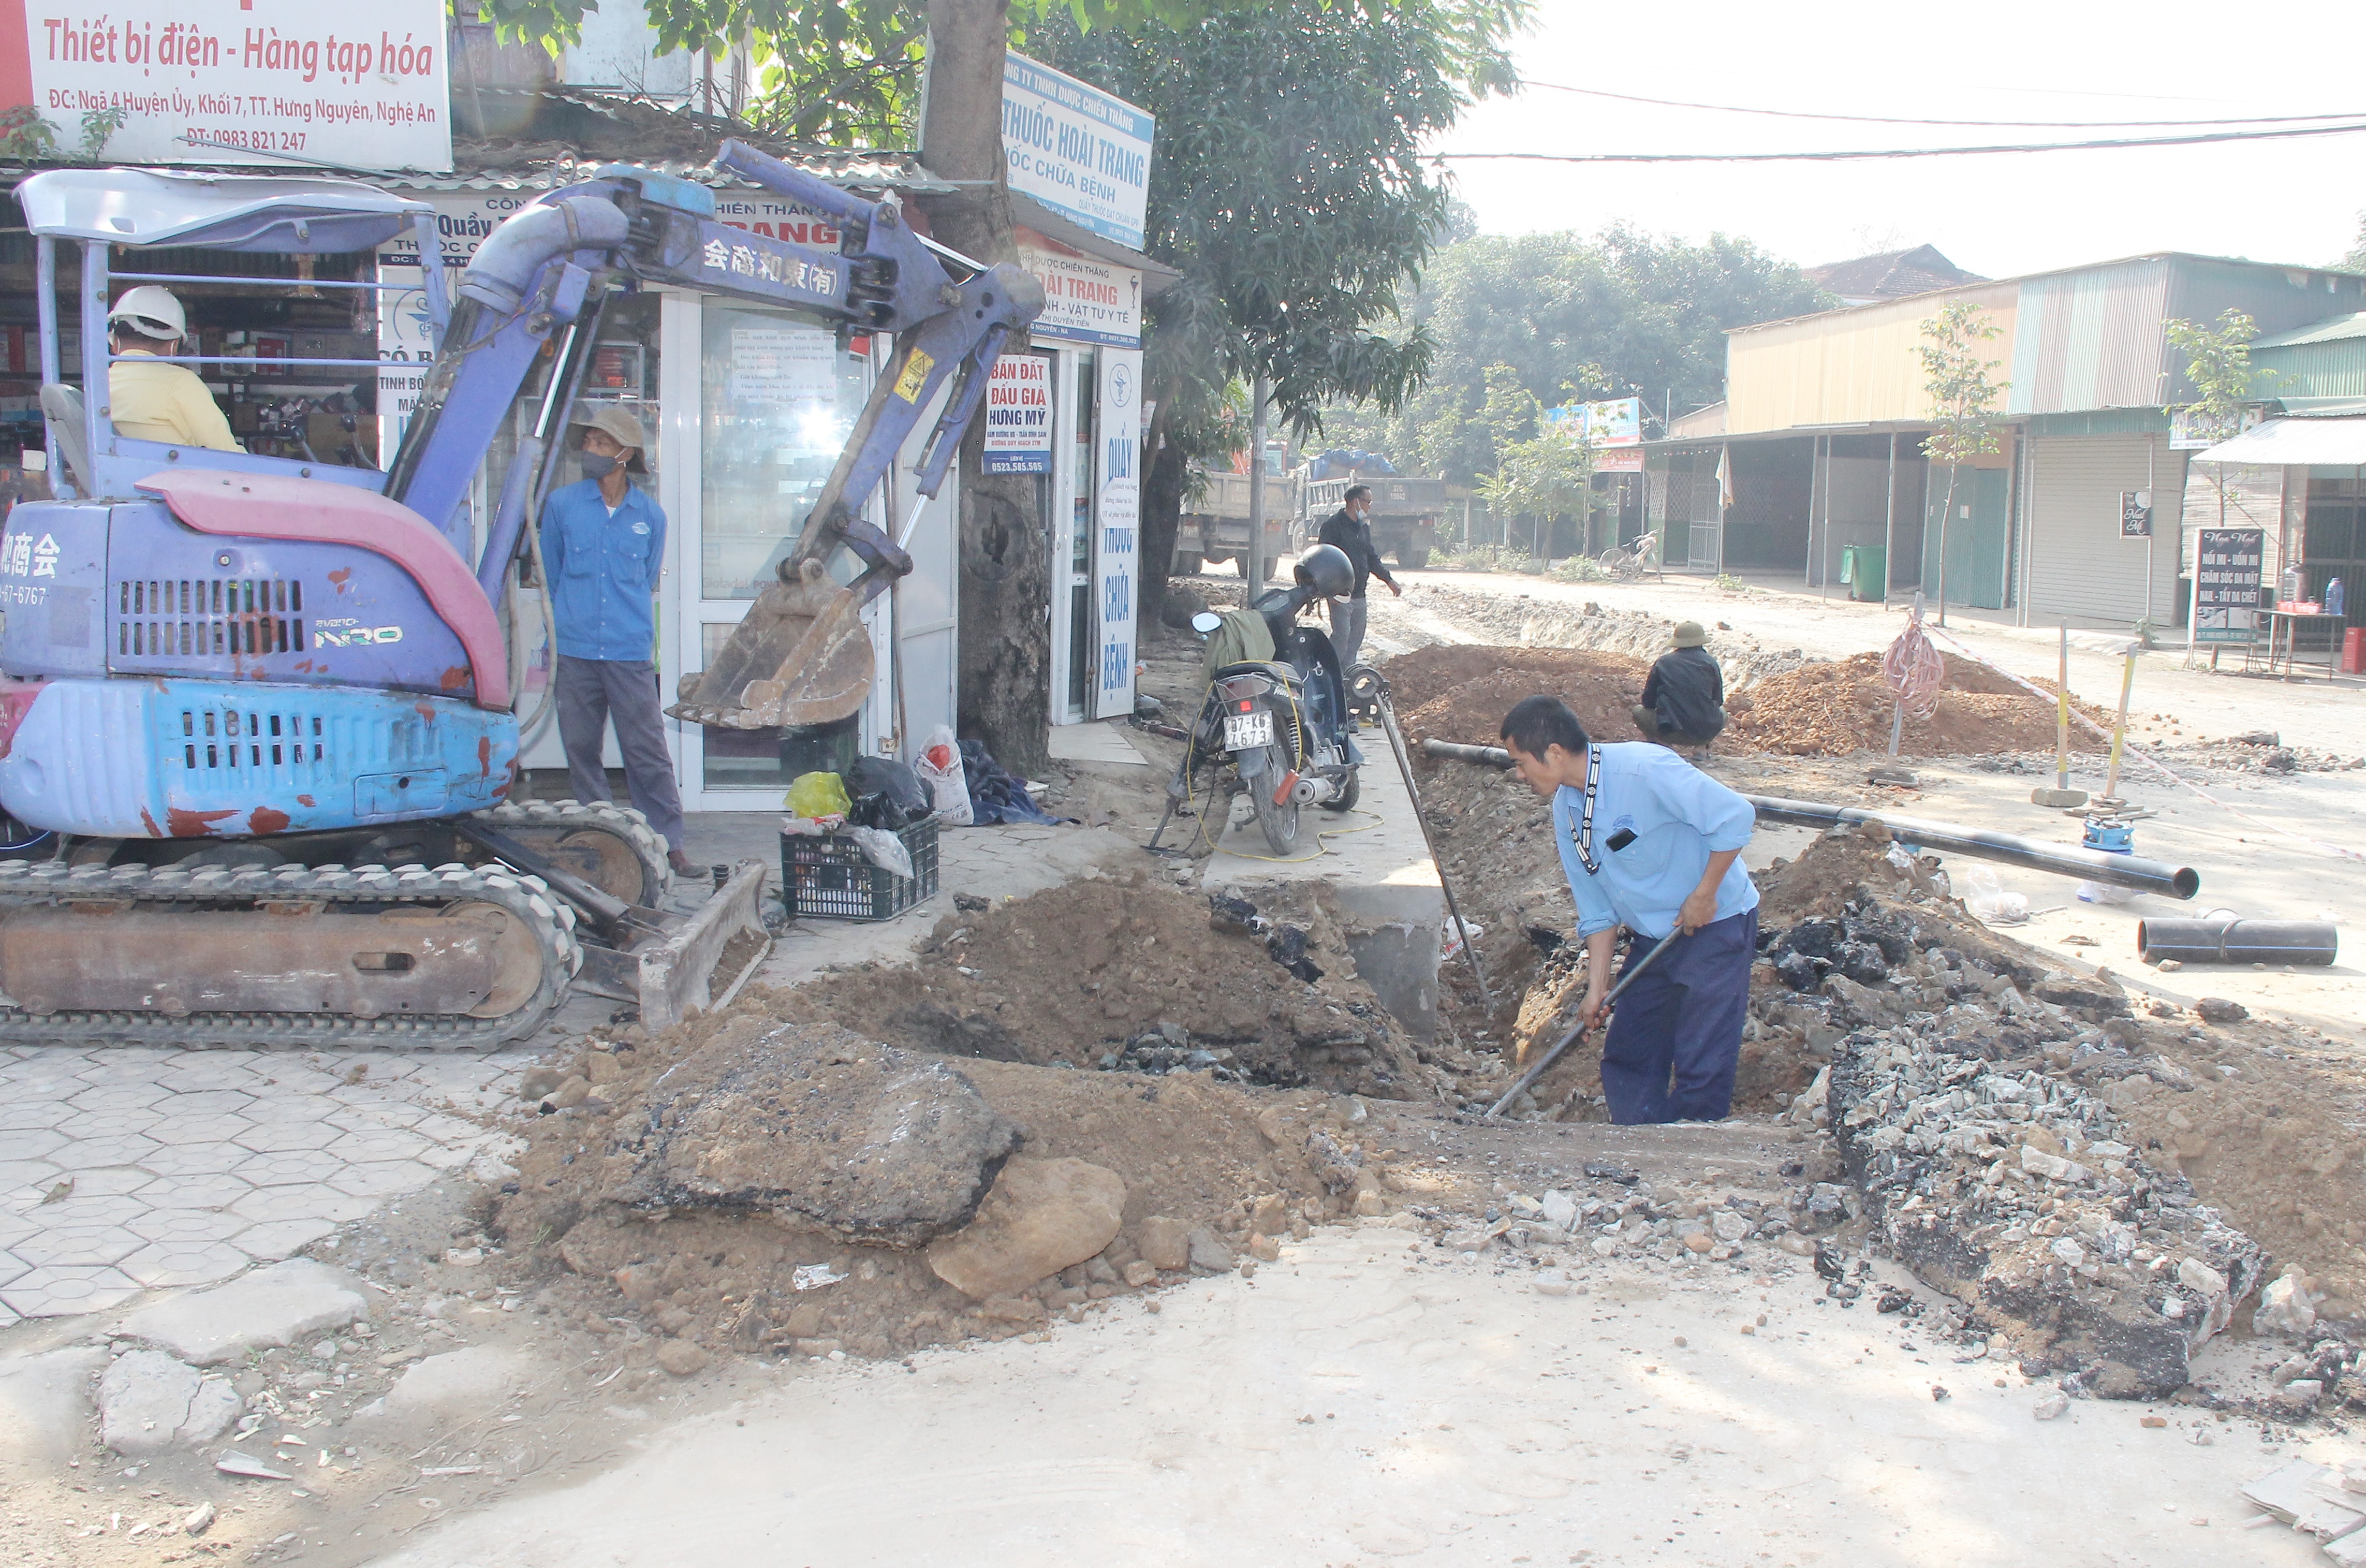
x: 1277, y: 731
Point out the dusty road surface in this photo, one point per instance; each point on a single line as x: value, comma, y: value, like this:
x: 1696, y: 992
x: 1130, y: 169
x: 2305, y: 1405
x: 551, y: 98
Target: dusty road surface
x: 1374, y: 1397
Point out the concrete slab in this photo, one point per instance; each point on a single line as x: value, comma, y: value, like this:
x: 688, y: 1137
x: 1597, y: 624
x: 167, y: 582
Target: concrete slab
x: 1102, y: 742
x: 1376, y: 865
x: 44, y: 1399
x: 270, y: 1308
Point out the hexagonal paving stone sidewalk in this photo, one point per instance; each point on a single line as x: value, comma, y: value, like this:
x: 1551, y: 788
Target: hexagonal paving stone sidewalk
x: 134, y: 1168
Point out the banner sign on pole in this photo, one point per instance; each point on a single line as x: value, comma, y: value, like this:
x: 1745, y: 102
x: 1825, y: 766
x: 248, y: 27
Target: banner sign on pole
x: 1018, y: 414
x: 270, y: 82
x: 1079, y: 151
x: 2135, y: 514
x: 1116, y: 562
x: 2226, y: 569
x: 1618, y: 422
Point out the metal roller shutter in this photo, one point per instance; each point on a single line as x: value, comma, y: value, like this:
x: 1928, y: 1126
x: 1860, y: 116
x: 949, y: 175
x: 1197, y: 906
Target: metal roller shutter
x: 2079, y: 568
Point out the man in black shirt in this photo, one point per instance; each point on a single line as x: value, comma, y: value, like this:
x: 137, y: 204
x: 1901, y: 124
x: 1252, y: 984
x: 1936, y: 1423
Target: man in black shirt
x: 1683, y: 700
x: 1350, y: 529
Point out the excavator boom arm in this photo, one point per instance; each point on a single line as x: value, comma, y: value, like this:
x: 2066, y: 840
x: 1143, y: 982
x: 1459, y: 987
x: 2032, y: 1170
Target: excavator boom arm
x: 536, y: 285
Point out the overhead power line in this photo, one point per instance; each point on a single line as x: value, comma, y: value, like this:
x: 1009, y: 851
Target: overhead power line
x: 1863, y: 154
x: 1978, y: 124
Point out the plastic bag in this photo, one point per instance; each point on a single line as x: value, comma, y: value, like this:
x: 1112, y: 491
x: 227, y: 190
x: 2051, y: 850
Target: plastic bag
x: 1449, y: 939
x: 883, y: 849
x: 817, y: 796
x: 1987, y: 899
x: 886, y: 775
x: 2104, y: 893
x: 940, y: 768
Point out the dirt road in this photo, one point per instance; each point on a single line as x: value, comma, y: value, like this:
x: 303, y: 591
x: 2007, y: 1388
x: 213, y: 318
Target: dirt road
x: 1374, y: 1397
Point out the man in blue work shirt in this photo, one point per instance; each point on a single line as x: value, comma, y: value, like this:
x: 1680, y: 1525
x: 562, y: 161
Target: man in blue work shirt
x: 603, y: 545
x: 1651, y: 842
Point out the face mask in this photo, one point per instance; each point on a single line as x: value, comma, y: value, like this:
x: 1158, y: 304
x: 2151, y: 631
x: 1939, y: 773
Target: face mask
x: 596, y: 467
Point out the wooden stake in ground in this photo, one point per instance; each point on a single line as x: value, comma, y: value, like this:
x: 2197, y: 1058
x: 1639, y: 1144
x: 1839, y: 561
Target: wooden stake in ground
x: 2062, y: 794
x: 2120, y: 731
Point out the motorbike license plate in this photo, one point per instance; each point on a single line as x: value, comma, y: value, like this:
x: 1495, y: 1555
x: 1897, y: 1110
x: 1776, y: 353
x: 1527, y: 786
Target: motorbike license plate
x: 1245, y: 731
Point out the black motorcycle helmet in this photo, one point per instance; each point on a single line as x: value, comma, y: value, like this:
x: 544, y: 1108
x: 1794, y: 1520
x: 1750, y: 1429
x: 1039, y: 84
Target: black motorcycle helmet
x: 1325, y: 572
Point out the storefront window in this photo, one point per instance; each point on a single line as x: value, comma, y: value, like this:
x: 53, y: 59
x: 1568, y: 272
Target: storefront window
x: 778, y: 401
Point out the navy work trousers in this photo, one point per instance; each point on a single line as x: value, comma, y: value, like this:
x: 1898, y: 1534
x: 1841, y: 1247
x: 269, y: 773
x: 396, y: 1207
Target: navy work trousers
x: 1676, y: 1035
x: 593, y: 693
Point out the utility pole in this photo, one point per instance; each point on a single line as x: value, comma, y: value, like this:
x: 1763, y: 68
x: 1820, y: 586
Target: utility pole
x: 1252, y: 563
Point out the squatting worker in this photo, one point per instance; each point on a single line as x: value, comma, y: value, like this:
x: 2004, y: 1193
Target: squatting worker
x: 1350, y: 528
x: 1684, y: 697
x: 1651, y: 842
x: 151, y: 401
x: 603, y: 544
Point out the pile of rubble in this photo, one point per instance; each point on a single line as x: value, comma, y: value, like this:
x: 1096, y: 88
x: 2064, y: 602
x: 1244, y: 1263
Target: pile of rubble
x: 1961, y: 1091
x: 1525, y: 621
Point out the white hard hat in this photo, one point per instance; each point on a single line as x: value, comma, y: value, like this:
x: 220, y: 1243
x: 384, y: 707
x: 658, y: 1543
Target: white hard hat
x: 150, y: 311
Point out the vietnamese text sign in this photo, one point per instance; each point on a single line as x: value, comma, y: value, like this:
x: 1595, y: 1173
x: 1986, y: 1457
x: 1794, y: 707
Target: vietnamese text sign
x: 2226, y: 566
x: 1079, y: 151
x: 792, y: 369
x: 2135, y: 514
x: 406, y: 351
x: 1019, y: 415
x: 1085, y: 301
x: 270, y: 82
x: 1117, y: 514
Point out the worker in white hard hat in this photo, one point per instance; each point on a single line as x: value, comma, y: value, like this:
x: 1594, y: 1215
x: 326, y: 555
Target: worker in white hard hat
x: 152, y: 401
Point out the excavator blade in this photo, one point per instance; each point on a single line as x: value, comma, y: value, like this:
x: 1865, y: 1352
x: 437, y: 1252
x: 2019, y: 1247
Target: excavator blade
x: 802, y: 656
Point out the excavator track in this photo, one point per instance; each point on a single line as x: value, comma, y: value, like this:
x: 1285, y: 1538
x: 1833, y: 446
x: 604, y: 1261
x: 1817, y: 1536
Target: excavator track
x: 611, y: 847
x: 380, y: 953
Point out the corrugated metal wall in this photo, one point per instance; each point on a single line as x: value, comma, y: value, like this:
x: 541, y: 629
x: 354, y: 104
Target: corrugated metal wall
x: 2079, y: 568
x: 2336, y: 369
x: 2092, y: 339
x: 1847, y: 366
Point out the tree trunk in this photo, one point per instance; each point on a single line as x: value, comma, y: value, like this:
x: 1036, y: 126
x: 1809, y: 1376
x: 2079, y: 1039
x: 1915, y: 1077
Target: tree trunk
x: 1006, y: 556
x: 1162, y: 512
x: 1946, y: 515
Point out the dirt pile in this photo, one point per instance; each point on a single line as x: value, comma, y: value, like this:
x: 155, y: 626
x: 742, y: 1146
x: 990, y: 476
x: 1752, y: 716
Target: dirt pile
x: 1208, y: 1171
x: 1831, y: 710
x: 1527, y: 621
x: 1461, y: 693
x: 1076, y: 974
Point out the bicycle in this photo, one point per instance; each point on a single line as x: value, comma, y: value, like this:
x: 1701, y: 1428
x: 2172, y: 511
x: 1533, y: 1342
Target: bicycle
x: 1629, y: 561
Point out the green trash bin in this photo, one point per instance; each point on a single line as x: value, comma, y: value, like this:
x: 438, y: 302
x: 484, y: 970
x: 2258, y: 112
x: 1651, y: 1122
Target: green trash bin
x: 1866, y: 569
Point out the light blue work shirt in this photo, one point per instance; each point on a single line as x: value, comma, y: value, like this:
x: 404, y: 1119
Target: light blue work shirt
x: 1679, y: 816
x: 603, y: 570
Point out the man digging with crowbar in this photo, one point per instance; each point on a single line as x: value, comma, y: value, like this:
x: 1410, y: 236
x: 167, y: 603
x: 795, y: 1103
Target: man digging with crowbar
x: 1667, y: 865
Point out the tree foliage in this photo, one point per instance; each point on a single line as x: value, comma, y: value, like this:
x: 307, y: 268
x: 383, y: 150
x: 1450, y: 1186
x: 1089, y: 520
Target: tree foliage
x: 1570, y: 317
x: 1548, y: 476
x: 1963, y: 409
x: 2218, y: 365
x: 1964, y: 412
x: 1288, y: 188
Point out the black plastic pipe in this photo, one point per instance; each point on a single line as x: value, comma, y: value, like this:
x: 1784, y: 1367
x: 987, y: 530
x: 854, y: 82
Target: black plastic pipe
x: 2224, y: 940
x: 2094, y: 866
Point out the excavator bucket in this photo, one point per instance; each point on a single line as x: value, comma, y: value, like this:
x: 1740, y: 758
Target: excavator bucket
x: 802, y: 656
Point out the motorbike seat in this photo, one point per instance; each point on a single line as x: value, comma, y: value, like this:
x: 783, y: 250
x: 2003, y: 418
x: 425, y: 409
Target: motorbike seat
x: 1271, y: 670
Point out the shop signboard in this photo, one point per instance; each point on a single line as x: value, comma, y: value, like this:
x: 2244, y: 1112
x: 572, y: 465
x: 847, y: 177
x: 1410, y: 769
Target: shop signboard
x: 1614, y: 423
x: 1019, y: 415
x: 2226, y: 570
x: 1085, y: 299
x: 1079, y: 151
x: 268, y: 81
x: 406, y: 347
x: 1116, y: 562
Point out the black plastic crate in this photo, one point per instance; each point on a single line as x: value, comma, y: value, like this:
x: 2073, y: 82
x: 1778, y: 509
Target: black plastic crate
x: 827, y: 877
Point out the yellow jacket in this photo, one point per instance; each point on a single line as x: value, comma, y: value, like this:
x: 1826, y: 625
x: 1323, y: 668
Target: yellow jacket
x: 165, y: 402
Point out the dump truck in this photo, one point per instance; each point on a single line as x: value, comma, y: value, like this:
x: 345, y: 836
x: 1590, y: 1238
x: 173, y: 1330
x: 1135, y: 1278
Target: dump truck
x: 1405, y: 508
x: 1214, y: 527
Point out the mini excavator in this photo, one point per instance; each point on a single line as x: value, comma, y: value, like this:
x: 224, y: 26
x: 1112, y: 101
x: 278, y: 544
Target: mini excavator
x: 258, y: 723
